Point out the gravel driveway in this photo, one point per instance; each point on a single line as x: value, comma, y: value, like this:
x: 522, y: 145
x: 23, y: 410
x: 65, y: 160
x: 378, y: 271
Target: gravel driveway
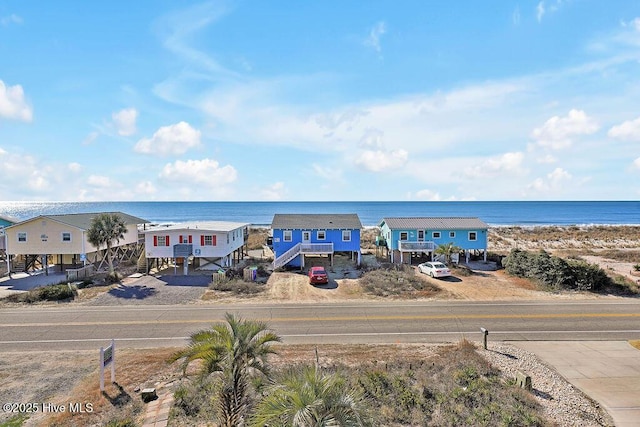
x: 155, y: 290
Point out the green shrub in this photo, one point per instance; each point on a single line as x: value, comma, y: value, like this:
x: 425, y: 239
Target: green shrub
x: 395, y: 280
x: 556, y: 273
x: 55, y: 292
x: 59, y: 292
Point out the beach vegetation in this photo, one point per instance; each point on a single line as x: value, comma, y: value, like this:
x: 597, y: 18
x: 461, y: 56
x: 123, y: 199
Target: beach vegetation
x: 105, y: 230
x: 308, y: 396
x: 396, y: 280
x: 557, y: 274
x: 257, y: 237
x: 237, y: 286
x: 57, y: 292
x: 454, y: 386
x: 234, y: 352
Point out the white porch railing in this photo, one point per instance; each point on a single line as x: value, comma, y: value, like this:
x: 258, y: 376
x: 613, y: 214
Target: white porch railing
x: 287, y: 256
x: 316, y: 248
x: 302, y: 248
x: 406, y: 246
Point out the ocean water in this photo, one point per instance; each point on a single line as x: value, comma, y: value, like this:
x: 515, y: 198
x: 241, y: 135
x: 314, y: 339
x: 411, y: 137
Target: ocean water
x: 371, y: 213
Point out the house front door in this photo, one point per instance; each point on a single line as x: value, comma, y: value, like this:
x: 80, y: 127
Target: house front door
x: 306, y: 237
x: 420, y: 235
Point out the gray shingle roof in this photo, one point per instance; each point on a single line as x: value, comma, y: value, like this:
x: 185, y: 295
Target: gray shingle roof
x: 83, y: 220
x: 436, y: 223
x: 316, y: 221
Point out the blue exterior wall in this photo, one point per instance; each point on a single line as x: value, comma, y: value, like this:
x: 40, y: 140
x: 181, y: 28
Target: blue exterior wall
x: 5, y: 223
x: 461, y: 238
x: 331, y: 236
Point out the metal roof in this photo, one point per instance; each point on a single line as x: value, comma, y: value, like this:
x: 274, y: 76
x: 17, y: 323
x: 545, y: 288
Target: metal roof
x: 435, y: 223
x: 83, y: 220
x: 316, y: 221
x: 224, y: 226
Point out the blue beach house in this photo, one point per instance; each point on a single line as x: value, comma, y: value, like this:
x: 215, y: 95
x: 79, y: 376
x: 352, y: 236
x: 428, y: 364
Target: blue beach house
x: 418, y: 238
x: 296, y: 236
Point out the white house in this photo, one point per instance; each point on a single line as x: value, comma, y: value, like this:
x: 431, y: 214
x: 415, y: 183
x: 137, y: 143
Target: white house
x: 210, y: 244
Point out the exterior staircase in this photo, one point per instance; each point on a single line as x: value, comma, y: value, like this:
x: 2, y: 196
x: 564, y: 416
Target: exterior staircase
x: 287, y: 256
x: 302, y: 248
x: 142, y: 263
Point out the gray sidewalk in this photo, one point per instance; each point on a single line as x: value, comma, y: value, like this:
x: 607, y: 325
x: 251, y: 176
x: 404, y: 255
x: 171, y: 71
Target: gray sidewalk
x: 606, y: 371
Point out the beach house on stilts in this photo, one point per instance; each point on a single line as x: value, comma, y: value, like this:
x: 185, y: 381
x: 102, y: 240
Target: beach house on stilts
x: 296, y: 236
x: 416, y: 239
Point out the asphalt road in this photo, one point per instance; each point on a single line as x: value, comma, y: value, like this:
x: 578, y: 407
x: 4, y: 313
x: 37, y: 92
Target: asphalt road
x: 79, y: 328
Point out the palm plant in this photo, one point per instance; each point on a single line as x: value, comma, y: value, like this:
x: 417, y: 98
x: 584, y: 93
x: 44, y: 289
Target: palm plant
x: 307, y: 397
x: 105, y: 229
x: 447, y: 249
x: 236, y: 351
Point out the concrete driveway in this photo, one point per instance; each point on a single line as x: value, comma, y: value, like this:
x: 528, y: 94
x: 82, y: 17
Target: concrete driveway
x: 606, y: 371
x: 22, y: 282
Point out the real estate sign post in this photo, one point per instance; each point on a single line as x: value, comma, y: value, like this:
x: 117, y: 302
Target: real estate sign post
x: 108, y: 356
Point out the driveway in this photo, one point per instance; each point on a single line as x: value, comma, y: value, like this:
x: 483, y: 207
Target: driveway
x: 22, y: 282
x: 606, y: 371
x: 155, y: 290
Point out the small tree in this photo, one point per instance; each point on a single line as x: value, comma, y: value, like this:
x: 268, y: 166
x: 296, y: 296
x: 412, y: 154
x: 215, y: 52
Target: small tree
x: 234, y: 351
x: 107, y: 229
x: 447, y: 249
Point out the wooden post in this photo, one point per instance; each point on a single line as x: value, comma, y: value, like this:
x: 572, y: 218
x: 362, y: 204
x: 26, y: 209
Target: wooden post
x: 484, y: 336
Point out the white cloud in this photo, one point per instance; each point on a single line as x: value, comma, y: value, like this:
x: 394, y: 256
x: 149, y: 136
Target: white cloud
x: 554, y: 181
x: 428, y: 195
x: 13, y: 104
x: 547, y: 159
x: 375, y: 34
x: 125, y: 121
x: 99, y: 181
x: 558, y: 132
x: 169, y: 140
x: 371, y: 138
x: 629, y: 130
x: 509, y: 163
x: 146, y: 188
x: 545, y: 8
x: 10, y: 19
x: 540, y: 11
x: 74, y: 167
x: 90, y: 138
x: 276, y: 191
x: 206, y: 172
x: 381, y: 160
x: 636, y: 163
x: 34, y: 178
x: 327, y: 173
x: 515, y: 16
x: 178, y: 29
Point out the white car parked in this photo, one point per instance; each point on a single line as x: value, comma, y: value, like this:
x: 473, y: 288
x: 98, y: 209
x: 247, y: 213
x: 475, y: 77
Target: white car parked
x: 434, y: 269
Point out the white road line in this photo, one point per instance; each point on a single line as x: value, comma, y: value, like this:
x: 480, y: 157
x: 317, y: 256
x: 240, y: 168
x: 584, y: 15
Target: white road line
x: 354, y: 334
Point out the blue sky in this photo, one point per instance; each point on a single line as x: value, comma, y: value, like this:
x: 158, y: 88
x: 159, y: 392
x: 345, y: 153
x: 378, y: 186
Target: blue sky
x: 319, y: 100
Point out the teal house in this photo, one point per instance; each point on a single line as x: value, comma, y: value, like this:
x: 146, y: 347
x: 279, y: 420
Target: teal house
x: 408, y: 240
x: 5, y: 221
